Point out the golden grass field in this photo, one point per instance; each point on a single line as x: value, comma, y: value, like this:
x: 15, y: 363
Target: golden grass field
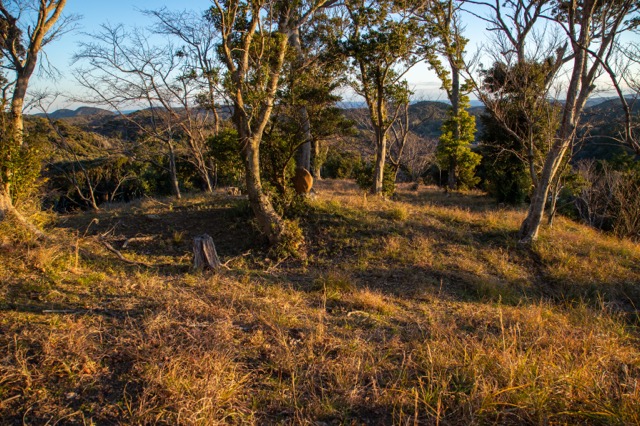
x: 422, y: 310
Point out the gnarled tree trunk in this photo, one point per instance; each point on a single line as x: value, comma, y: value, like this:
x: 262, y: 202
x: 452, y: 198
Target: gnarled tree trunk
x: 270, y: 223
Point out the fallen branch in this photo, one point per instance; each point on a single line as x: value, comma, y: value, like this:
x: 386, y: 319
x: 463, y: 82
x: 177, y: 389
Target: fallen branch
x: 121, y: 256
x: 136, y: 239
x: 234, y: 258
x: 272, y: 268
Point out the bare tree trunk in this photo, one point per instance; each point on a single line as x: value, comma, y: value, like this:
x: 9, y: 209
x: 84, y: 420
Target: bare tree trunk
x: 7, y: 209
x: 381, y: 155
x: 531, y: 224
x: 316, y: 168
x: 213, y: 172
x: 175, y: 185
x: 17, y: 104
x: 208, y: 186
x: 303, y: 155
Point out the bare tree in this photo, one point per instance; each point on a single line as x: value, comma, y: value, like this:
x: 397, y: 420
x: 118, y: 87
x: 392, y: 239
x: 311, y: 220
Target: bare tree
x: 22, y: 40
x: 418, y: 156
x: 622, y: 70
x: 125, y: 71
x: 199, y: 40
x: 607, y: 198
x: 591, y: 29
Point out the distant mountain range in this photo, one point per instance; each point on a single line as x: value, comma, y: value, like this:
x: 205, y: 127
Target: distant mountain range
x: 426, y: 119
x: 83, y: 111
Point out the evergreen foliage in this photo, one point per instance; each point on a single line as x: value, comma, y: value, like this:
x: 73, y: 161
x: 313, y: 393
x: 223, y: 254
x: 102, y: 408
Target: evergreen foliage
x: 457, y: 150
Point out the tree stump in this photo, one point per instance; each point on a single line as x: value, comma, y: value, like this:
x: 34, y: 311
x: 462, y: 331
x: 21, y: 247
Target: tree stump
x: 204, y: 253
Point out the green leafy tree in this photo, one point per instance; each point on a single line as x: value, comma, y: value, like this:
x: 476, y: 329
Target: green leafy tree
x: 21, y: 44
x: 444, y: 42
x: 517, y: 156
x: 382, y: 45
x: 503, y: 168
x: 254, y: 41
x: 454, y: 152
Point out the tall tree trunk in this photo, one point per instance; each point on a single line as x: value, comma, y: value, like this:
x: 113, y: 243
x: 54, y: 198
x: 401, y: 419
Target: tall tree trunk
x: 17, y: 105
x: 269, y: 221
x: 303, y: 155
x: 173, y: 171
x: 381, y: 155
x: 531, y: 224
x: 452, y: 181
x: 316, y: 167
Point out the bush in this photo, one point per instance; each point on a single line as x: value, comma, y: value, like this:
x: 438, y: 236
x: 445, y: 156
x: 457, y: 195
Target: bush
x: 115, y: 178
x: 20, y: 165
x: 605, y: 195
x: 364, y: 178
x: 341, y: 165
x: 225, y: 150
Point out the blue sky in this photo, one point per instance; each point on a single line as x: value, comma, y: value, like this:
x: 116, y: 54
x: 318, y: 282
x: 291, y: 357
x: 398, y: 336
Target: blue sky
x: 127, y: 12
x: 96, y: 12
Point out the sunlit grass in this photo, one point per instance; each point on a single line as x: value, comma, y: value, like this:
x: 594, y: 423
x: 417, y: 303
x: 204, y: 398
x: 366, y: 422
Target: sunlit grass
x: 422, y: 310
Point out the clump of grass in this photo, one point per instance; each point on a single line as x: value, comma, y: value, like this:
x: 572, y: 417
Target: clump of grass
x: 178, y: 237
x: 398, y: 213
x: 371, y: 300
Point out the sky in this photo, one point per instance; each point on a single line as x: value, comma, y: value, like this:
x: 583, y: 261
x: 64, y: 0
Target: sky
x: 93, y: 13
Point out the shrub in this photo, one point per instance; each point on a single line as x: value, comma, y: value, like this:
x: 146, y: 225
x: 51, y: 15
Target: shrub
x: 20, y: 165
x: 341, y: 165
x: 364, y: 178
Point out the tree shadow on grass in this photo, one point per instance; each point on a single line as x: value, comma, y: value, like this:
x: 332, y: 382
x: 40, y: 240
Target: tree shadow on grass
x: 164, y: 239
x: 341, y: 241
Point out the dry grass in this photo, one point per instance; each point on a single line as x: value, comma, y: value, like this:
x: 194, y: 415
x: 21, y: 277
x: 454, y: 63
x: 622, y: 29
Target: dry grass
x: 422, y: 310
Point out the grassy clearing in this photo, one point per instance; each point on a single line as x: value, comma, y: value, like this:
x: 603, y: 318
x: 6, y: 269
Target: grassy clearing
x: 422, y: 310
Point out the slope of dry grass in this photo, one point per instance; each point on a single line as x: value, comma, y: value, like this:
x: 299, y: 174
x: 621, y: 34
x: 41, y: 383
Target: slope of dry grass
x: 422, y: 310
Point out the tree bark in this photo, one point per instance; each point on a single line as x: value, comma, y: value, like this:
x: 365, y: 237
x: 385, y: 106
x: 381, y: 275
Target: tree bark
x: 303, y: 155
x: 316, y: 169
x: 7, y: 209
x: 531, y: 224
x: 381, y: 155
x: 17, y: 105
